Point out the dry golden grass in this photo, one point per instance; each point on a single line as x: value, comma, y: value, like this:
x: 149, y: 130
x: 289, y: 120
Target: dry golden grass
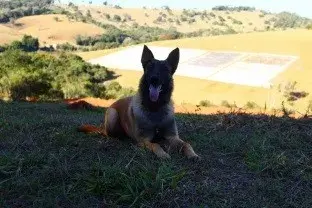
x: 8, y: 34
x: 48, y: 30
x: 147, y: 16
x: 190, y: 90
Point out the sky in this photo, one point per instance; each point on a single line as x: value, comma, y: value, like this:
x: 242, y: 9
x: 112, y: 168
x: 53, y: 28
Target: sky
x: 301, y: 7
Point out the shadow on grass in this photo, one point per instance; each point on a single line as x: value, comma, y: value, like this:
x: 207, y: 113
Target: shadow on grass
x: 248, y: 161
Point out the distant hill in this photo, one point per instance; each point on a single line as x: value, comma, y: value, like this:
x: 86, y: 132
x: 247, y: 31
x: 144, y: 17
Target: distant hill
x: 94, y: 27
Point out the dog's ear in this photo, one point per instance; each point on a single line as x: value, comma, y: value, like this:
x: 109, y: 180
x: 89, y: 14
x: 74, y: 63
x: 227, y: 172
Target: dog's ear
x: 173, y: 59
x: 147, y: 56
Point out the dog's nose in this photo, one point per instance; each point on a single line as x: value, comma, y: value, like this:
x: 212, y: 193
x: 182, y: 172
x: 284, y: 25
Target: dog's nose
x: 154, y: 80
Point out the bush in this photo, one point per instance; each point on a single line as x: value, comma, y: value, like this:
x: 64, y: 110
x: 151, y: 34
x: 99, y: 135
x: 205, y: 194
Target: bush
x: 44, y: 75
x: 212, y: 14
x: 237, y: 22
x: 225, y: 103
x: 206, y: 103
x: 192, y: 20
x: 289, y: 20
x: 115, y: 91
x: 117, y: 18
x: 57, y: 19
x: 251, y: 105
x: 309, y: 26
x: 66, y: 47
x: 28, y: 44
x: 17, y: 8
x: 238, y: 9
x: 107, y: 16
x: 116, y: 37
x: 221, y: 19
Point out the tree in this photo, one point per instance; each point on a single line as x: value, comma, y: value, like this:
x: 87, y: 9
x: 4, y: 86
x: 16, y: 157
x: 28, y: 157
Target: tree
x: 30, y: 44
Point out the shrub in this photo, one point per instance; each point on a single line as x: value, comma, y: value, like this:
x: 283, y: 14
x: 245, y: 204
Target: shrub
x: 237, y: 22
x: 28, y: 44
x: 251, y: 105
x: 192, y: 20
x: 66, y: 47
x: 221, y: 19
x: 183, y: 18
x: 16, y: 9
x: 206, y: 103
x: 44, y: 75
x: 309, y: 26
x: 212, y: 14
x: 57, y: 19
x: 115, y: 91
x: 117, y: 18
x: 225, y: 103
x: 107, y: 16
x: 289, y: 20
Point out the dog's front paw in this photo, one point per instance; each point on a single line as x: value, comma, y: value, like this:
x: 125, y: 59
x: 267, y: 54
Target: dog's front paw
x: 194, y: 157
x: 164, y: 156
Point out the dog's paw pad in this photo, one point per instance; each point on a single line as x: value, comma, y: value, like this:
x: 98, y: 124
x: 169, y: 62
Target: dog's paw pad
x: 195, y: 158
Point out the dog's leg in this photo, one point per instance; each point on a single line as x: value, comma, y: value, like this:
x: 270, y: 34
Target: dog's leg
x: 176, y: 143
x: 173, y: 140
x: 155, y: 148
x: 111, y: 125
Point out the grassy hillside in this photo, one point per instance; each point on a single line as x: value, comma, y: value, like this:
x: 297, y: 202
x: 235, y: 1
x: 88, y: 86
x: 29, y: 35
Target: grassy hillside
x: 291, y: 42
x: 248, y: 161
x: 50, y: 29
x: 188, y: 20
x: 115, y: 26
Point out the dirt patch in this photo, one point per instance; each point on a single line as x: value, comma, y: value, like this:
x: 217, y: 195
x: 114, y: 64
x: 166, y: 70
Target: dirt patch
x: 90, y: 103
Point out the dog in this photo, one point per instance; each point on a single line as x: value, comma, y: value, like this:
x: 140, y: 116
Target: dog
x: 148, y: 116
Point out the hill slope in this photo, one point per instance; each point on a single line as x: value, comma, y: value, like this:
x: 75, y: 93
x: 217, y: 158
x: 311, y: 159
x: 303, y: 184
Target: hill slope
x: 50, y: 29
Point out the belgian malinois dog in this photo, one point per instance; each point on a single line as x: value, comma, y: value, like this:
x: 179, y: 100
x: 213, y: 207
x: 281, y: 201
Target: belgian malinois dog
x: 148, y: 116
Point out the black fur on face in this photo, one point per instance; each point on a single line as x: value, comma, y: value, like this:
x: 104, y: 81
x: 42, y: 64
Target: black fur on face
x: 156, y: 84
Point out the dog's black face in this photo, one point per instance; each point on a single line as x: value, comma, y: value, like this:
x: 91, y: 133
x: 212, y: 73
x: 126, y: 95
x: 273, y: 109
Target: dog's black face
x: 156, y: 84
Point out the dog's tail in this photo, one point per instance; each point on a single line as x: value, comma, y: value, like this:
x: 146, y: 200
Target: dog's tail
x: 91, y: 129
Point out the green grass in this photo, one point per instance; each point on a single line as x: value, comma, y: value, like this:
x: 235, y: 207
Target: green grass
x: 248, y: 161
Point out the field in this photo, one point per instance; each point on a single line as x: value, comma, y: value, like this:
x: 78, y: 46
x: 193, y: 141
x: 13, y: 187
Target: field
x: 47, y: 29
x: 247, y: 161
x: 250, y: 20
x: 291, y: 42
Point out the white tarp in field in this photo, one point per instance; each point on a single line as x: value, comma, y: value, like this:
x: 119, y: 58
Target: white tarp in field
x: 251, y: 69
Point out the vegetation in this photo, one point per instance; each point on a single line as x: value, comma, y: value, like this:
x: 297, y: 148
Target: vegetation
x: 117, y: 37
x: 28, y: 44
x: 309, y: 26
x: 48, y: 77
x: 237, y: 9
x: 249, y: 160
x: 206, y: 103
x: 290, y: 20
x: 251, y: 105
x: 19, y: 8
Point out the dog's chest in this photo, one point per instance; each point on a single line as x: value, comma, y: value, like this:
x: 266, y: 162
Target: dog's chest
x: 154, y: 121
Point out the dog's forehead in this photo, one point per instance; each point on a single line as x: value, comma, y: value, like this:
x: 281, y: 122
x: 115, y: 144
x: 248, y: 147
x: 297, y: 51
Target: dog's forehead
x: 158, y: 64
